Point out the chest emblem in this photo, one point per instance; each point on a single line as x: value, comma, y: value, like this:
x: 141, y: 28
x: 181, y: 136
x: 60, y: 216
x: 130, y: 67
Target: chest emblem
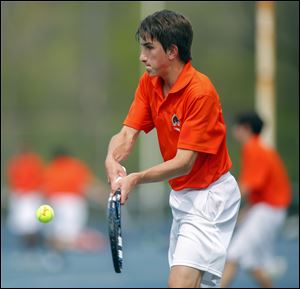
x: 176, y: 122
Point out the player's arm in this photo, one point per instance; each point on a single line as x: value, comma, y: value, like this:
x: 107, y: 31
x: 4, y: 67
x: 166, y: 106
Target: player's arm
x: 180, y: 165
x: 119, y: 148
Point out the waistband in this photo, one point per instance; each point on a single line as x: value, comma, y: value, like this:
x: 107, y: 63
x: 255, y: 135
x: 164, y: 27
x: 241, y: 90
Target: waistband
x: 221, y: 179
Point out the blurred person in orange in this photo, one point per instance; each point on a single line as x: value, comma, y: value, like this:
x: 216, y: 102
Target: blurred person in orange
x: 266, y: 191
x: 67, y: 182
x: 24, y: 177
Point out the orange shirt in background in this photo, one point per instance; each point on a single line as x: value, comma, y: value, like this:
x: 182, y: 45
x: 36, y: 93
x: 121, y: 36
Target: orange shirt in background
x: 189, y: 117
x: 264, y: 175
x: 25, y: 173
x: 66, y: 175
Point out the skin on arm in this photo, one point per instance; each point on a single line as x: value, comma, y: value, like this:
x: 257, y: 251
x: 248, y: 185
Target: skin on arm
x: 180, y: 165
x: 119, y: 148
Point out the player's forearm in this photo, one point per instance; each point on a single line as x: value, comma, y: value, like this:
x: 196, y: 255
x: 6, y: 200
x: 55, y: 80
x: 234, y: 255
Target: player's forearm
x: 161, y: 172
x: 118, y: 148
x: 121, y: 145
x: 179, y: 166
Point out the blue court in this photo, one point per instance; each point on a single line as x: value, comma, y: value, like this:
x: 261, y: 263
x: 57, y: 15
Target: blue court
x: 145, y: 263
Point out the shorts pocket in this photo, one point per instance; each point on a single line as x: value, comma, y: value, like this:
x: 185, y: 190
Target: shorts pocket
x: 212, y: 207
x: 215, y: 205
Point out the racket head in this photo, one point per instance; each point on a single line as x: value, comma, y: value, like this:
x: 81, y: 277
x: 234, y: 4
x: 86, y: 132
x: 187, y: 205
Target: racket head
x: 114, y: 229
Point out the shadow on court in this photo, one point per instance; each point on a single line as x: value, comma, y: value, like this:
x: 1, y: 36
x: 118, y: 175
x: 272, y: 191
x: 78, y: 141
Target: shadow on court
x: 145, y: 262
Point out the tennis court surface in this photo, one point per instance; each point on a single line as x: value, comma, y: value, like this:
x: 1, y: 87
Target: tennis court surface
x: 145, y: 262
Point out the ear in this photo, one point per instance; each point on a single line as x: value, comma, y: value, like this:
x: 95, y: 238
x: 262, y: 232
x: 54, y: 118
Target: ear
x: 172, y: 52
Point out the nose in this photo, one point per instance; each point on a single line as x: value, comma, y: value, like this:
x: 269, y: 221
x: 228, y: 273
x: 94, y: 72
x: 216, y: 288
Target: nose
x: 143, y: 58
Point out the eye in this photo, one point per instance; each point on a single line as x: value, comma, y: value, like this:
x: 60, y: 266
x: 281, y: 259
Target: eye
x: 148, y: 46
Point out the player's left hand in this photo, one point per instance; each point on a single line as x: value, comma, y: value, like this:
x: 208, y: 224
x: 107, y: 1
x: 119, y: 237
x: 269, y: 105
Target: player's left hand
x: 127, y: 184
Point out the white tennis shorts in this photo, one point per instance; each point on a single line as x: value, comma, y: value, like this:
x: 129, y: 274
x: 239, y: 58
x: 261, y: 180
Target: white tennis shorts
x: 252, y: 243
x: 70, y: 217
x: 203, y: 222
x: 21, y: 213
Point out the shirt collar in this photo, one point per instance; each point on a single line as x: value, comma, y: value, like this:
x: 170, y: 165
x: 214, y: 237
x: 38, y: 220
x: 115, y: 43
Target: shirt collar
x: 181, y: 82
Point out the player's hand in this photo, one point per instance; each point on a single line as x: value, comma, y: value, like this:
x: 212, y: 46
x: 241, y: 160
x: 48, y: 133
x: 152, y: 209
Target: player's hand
x: 127, y: 184
x: 113, y: 171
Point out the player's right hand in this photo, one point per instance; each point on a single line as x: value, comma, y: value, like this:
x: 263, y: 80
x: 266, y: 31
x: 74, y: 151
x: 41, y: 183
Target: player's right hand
x: 113, y: 171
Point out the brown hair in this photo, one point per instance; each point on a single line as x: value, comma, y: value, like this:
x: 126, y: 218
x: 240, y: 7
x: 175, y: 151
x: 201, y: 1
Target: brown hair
x: 168, y: 28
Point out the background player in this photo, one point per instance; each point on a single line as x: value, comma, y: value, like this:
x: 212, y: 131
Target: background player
x: 68, y: 181
x: 24, y: 177
x: 266, y: 190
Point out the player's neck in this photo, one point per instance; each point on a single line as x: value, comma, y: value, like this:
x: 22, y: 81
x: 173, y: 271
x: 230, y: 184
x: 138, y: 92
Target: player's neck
x: 171, y: 76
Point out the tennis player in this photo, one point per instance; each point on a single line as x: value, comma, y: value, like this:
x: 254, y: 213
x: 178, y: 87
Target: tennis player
x: 25, y: 172
x: 184, y: 107
x: 266, y: 189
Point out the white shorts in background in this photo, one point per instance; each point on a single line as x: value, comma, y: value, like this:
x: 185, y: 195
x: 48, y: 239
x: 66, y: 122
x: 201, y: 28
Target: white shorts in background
x: 21, y: 218
x: 203, y: 223
x: 252, y: 243
x: 70, y: 217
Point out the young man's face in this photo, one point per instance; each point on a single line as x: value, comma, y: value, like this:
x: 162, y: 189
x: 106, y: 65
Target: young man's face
x: 241, y: 133
x: 154, y: 57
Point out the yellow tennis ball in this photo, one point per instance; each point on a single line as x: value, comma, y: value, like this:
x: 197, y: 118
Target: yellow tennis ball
x: 44, y: 213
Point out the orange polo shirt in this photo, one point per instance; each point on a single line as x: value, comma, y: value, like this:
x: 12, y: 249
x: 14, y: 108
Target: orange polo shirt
x: 189, y: 117
x: 263, y: 173
x: 25, y: 173
x: 66, y: 175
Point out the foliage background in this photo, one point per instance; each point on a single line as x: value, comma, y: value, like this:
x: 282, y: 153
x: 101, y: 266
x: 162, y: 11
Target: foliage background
x: 69, y: 71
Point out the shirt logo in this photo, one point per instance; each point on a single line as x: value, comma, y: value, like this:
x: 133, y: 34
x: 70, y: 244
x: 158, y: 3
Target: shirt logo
x: 176, y: 122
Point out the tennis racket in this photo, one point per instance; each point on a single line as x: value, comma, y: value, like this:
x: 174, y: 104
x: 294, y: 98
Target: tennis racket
x: 114, y: 229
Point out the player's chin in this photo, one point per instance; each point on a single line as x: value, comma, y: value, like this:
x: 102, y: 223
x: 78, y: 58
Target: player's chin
x: 151, y: 72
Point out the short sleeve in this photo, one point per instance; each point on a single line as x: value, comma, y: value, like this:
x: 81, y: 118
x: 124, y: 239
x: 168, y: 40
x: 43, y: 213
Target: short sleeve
x: 139, y: 116
x: 203, y: 129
